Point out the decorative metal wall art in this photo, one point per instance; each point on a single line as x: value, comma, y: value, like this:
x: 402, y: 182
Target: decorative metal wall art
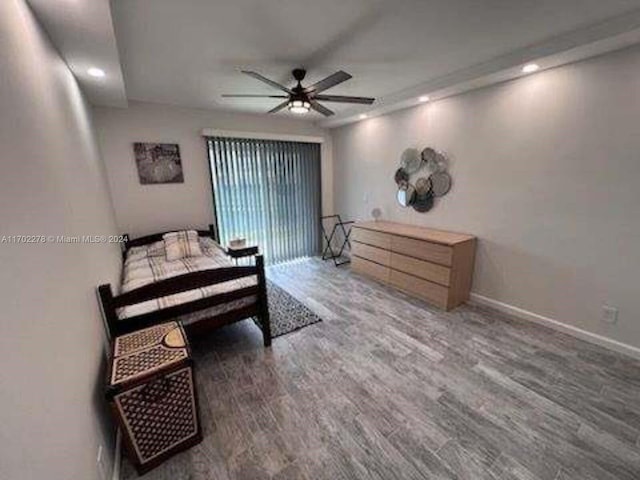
x: 406, y: 194
x: 433, y: 182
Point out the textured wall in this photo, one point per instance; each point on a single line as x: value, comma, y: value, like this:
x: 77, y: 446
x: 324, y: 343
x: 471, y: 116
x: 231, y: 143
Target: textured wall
x: 51, y: 333
x: 545, y: 172
x: 144, y: 209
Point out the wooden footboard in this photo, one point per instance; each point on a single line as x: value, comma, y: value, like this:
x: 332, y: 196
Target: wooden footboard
x: 182, y: 283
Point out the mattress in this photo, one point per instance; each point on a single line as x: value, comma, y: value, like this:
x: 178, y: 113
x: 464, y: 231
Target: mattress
x: 148, y: 264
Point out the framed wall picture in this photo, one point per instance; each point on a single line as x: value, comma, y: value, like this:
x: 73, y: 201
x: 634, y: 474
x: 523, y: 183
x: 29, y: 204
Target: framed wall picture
x: 158, y: 163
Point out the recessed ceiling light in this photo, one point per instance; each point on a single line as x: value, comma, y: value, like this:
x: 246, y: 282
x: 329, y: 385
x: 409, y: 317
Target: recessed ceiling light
x: 530, y: 68
x: 96, y: 72
x: 363, y: 116
x: 424, y: 98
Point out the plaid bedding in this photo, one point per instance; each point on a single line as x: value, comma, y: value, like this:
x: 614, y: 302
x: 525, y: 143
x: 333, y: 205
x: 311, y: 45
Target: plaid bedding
x: 144, y: 265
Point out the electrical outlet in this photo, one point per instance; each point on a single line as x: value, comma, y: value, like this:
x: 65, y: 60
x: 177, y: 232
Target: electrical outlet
x: 609, y: 314
x: 102, y: 468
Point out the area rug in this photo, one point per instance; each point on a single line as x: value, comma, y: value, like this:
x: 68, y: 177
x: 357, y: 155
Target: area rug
x: 287, y: 314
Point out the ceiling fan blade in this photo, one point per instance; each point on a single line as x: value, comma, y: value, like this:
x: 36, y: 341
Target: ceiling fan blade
x: 257, y: 76
x: 279, y: 107
x: 330, y: 81
x: 343, y: 99
x: 232, y: 95
x: 321, y: 109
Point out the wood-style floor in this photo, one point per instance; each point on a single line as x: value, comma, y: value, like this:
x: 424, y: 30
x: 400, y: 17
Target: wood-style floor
x: 388, y: 388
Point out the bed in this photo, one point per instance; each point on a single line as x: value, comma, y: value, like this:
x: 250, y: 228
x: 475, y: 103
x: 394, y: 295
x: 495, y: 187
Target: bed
x: 202, y: 292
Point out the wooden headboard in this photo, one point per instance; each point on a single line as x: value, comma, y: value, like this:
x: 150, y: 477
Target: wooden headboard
x: 156, y: 237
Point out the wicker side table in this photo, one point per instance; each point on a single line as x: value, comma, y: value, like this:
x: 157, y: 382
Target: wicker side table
x: 151, y: 390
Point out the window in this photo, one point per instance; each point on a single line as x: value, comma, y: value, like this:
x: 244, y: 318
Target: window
x: 268, y: 192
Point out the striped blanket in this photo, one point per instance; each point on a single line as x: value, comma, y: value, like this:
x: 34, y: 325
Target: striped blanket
x: 148, y: 264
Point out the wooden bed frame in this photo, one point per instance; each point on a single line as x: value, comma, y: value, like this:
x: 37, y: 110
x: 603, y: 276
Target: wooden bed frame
x: 182, y: 283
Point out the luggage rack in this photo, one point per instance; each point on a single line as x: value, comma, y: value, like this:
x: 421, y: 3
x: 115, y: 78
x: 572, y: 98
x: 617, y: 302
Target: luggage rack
x: 328, y: 253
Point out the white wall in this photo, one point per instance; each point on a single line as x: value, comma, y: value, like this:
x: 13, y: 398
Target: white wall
x: 546, y: 173
x: 51, y: 333
x: 143, y: 209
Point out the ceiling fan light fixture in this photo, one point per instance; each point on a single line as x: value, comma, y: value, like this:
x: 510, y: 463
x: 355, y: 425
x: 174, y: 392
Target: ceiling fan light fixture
x: 299, y: 106
x: 301, y: 100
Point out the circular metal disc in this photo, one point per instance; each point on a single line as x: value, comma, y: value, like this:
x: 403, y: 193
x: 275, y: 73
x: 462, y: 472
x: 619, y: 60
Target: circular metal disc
x: 442, y: 162
x: 411, y: 161
x: 423, y: 185
x: 440, y: 184
x: 401, y: 176
x: 423, y: 203
x: 406, y: 194
x: 430, y: 160
x: 428, y: 155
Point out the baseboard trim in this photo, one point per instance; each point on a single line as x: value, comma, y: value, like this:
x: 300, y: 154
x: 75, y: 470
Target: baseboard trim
x: 557, y: 325
x: 117, y: 456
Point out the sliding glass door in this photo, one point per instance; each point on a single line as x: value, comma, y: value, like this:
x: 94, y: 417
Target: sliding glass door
x: 268, y: 192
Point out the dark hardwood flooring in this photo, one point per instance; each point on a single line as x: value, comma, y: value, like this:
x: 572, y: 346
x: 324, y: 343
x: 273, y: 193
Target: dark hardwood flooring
x: 387, y: 387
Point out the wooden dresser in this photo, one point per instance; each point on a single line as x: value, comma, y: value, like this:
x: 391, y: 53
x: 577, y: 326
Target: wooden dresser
x: 434, y: 265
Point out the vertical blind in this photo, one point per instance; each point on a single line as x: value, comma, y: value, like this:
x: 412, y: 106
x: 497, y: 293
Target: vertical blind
x: 268, y: 192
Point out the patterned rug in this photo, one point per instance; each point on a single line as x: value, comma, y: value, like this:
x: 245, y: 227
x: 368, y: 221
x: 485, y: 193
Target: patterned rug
x: 287, y: 314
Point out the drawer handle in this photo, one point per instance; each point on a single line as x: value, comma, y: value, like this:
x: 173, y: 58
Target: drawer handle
x: 156, y: 391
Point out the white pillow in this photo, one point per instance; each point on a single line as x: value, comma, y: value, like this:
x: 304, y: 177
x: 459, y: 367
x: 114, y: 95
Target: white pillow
x: 182, y: 244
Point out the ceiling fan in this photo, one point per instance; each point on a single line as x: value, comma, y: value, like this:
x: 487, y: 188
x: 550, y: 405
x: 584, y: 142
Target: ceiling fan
x: 301, y: 99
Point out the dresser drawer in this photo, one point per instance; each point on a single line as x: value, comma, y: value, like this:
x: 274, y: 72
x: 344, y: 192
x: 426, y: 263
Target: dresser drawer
x: 426, y: 270
x: 377, y: 239
x: 371, y: 269
x: 437, y: 294
x: 368, y: 252
x: 434, y: 265
x: 432, y: 252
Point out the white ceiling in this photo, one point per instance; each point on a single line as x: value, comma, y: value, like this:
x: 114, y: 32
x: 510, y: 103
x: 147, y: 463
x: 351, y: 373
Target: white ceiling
x: 82, y: 31
x: 189, y: 52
